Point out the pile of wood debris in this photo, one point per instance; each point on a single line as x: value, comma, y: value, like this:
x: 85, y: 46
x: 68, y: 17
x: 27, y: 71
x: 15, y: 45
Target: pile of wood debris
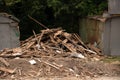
x: 53, y: 42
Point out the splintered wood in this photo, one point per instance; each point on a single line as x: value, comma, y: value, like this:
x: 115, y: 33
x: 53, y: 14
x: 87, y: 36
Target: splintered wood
x: 52, y: 42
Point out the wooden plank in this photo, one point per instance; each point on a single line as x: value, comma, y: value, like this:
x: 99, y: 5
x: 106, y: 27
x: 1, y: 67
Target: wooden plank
x: 79, y: 39
x: 94, y: 48
x: 7, y: 70
x: 4, y: 61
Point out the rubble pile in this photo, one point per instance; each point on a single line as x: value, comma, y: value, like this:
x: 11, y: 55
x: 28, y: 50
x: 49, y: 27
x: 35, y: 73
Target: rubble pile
x: 52, y: 49
x: 53, y: 42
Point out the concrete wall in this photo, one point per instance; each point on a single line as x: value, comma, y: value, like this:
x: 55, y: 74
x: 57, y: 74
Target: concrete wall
x: 91, y: 31
x: 114, y: 6
x: 9, y: 33
x: 111, y: 41
x: 105, y: 34
x: 115, y: 36
x: 106, y: 37
x: 5, y: 20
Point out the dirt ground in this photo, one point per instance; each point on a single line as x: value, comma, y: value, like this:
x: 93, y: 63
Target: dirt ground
x: 74, y: 78
x: 69, y: 69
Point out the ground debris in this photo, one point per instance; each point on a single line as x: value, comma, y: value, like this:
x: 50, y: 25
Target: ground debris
x: 43, y: 49
x: 7, y: 70
x: 52, y: 42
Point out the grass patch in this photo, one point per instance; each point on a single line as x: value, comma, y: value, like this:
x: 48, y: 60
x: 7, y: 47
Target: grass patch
x: 111, y: 59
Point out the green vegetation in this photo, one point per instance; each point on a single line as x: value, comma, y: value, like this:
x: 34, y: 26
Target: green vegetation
x: 112, y: 59
x: 53, y: 13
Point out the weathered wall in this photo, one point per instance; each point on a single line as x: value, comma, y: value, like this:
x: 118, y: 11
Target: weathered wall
x: 5, y: 20
x: 106, y: 37
x: 5, y: 36
x: 115, y: 36
x: 114, y: 6
x: 91, y: 31
x: 105, y: 34
x: 111, y: 39
x: 9, y: 33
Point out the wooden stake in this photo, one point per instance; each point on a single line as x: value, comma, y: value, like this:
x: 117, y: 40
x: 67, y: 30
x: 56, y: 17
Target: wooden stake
x: 37, y: 22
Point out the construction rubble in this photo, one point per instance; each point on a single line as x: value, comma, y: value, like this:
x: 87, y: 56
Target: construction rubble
x: 55, y: 43
x: 56, y: 52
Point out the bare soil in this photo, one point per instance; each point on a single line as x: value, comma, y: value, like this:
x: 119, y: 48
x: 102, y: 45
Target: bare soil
x: 69, y: 69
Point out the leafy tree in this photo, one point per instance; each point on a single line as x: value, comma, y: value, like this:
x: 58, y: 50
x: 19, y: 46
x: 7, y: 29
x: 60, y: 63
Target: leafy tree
x: 64, y: 13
